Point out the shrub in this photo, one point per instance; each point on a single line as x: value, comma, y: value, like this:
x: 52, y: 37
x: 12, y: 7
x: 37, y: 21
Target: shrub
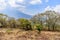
x: 38, y: 27
x: 24, y: 24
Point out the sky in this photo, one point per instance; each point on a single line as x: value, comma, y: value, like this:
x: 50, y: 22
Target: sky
x: 31, y: 7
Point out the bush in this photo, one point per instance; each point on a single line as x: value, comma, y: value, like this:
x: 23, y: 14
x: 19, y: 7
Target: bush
x: 24, y: 24
x: 38, y: 27
x: 28, y: 27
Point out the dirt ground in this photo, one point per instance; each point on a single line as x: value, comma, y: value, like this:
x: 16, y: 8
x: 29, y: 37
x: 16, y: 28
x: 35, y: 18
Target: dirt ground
x: 16, y: 34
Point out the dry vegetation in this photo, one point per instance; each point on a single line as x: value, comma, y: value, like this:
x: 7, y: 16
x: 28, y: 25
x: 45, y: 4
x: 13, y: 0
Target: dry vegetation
x: 17, y: 34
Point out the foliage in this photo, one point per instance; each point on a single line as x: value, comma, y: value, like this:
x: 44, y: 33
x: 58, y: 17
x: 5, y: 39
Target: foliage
x: 24, y: 24
x: 47, y: 19
x: 38, y: 27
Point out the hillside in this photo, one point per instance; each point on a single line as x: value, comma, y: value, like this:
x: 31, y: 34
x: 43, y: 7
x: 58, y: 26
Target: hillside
x: 12, y: 12
x: 16, y: 34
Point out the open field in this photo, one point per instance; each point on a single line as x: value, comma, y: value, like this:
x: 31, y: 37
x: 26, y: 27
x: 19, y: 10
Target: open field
x: 16, y: 34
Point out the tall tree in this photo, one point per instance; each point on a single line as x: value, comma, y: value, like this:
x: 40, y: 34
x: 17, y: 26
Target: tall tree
x: 3, y: 20
x: 48, y: 18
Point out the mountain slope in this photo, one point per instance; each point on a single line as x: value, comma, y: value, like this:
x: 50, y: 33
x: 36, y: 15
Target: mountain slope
x: 15, y: 13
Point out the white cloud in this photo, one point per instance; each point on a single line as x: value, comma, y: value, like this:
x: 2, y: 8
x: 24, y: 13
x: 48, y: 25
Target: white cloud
x: 2, y: 4
x: 33, y: 2
x: 20, y: 1
x: 12, y: 3
x: 19, y: 7
x: 48, y: 8
x: 56, y: 8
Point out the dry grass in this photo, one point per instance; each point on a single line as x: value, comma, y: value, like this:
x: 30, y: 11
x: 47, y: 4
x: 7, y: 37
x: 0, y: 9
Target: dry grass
x: 16, y: 34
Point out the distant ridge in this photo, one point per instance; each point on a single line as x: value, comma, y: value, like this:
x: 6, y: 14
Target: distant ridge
x: 15, y: 13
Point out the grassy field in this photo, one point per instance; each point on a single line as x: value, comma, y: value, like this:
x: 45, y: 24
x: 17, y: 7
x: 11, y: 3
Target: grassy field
x: 17, y: 34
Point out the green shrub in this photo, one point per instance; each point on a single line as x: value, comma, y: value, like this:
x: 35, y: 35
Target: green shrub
x: 38, y: 27
x: 24, y: 24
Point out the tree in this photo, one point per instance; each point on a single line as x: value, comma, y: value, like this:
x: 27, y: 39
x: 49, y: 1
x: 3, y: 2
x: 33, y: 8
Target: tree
x: 48, y: 18
x: 3, y: 20
x: 12, y: 22
x: 24, y: 24
x: 51, y: 19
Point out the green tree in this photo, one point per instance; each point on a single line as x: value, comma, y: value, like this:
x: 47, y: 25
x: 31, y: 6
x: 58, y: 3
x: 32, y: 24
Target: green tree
x: 38, y: 27
x: 3, y: 20
x: 12, y: 22
x: 47, y: 18
x: 24, y: 24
